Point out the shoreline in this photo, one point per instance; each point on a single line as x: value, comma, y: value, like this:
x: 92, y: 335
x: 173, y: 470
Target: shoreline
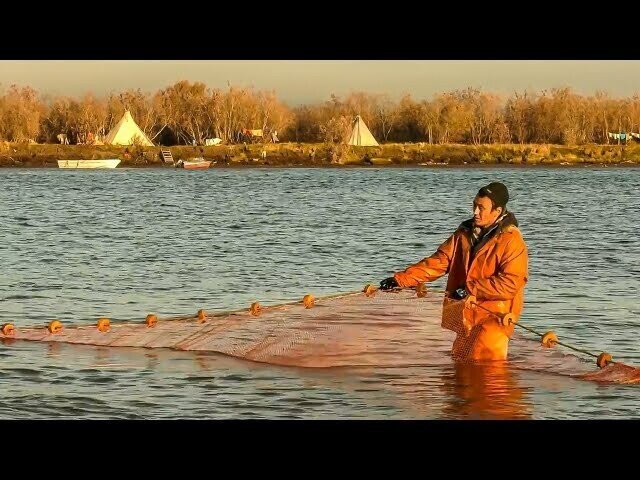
x: 547, y: 166
x: 295, y: 155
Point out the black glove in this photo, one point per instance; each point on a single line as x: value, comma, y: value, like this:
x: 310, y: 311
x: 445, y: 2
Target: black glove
x: 460, y: 294
x: 388, y: 283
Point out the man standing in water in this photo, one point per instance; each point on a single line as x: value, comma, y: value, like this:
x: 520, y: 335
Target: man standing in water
x: 485, y: 257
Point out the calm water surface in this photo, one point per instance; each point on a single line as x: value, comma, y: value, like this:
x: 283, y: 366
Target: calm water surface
x: 77, y: 245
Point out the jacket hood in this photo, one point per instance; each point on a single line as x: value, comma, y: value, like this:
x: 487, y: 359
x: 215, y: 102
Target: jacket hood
x: 503, y: 222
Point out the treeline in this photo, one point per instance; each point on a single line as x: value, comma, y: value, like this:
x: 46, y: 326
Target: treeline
x: 187, y: 112
x: 178, y: 114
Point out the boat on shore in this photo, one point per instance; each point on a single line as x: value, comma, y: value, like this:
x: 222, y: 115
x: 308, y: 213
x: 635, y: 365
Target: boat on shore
x: 194, y: 164
x: 105, y: 163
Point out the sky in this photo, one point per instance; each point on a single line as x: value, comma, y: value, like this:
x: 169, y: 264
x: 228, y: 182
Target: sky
x: 311, y: 81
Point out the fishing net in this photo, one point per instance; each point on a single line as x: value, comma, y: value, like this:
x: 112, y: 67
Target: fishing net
x: 403, y: 328
x: 347, y: 330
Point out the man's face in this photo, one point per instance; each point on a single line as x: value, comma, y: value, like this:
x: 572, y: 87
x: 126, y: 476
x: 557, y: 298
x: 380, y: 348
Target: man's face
x: 483, y: 215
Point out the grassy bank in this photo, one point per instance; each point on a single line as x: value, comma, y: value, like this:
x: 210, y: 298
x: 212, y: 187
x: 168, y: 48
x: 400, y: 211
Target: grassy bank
x: 293, y: 154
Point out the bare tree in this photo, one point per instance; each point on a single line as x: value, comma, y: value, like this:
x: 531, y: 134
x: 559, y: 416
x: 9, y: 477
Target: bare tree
x: 518, y: 111
x: 387, y: 115
x: 20, y: 114
x: 336, y: 129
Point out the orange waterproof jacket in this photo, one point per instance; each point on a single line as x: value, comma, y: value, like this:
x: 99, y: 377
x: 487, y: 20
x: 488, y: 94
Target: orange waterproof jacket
x: 495, y: 271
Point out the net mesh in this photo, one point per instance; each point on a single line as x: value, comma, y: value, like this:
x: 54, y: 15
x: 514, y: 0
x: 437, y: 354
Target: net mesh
x: 388, y: 329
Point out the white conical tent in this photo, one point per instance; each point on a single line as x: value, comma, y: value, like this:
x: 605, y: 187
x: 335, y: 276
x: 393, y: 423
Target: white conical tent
x: 360, y: 134
x: 125, y: 131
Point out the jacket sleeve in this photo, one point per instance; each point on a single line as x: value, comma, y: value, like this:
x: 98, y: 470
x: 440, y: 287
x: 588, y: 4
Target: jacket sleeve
x: 429, y: 268
x: 510, y: 277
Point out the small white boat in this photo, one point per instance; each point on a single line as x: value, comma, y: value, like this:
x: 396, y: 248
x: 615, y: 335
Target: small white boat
x: 105, y: 163
x: 194, y: 164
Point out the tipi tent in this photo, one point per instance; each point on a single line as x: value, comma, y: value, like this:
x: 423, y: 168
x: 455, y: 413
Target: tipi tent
x: 125, y: 131
x: 360, y: 134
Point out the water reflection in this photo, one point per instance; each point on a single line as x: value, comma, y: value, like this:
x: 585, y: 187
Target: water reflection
x: 485, y: 390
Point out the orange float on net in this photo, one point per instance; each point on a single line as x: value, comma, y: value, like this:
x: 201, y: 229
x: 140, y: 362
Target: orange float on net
x: 55, y: 326
x: 255, y: 309
x: 421, y: 290
x: 508, y: 319
x: 369, y: 290
x: 308, y: 301
x: 104, y: 324
x: 151, y: 320
x: 8, y: 329
x: 202, y: 316
x: 549, y: 340
x: 603, y: 359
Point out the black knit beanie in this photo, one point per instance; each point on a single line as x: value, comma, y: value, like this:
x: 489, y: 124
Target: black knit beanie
x: 497, y: 192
